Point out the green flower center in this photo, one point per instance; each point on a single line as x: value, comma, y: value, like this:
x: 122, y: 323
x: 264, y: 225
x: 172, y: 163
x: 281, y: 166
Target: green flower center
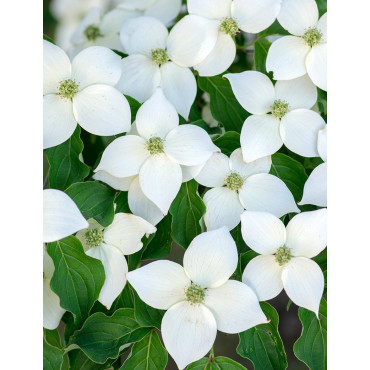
x: 234, y: 181
x: 280, y: 108
x: 159, y: 56
x: 68, y: 89
x: 283, y: 255
x: 195, y: 293
x: 312, y: 36
x: 94, y: 238
x: 229, y: 26
x: 155, y: 145
x: 92, y: 32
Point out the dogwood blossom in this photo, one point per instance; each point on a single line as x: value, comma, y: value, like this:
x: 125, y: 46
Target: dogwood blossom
x: 61, y: 219
x: 199, y: 297
x: 315, y: 188
x: 100, y: 29
x: 110, y: 245
x: 152, y: 62
x: 285, y: 261
x: 306, y: 51
x: 238, y: 185
x: 157, y: 152
x: 164, y: 10
x: 291, y: 122
x: 83, y: 92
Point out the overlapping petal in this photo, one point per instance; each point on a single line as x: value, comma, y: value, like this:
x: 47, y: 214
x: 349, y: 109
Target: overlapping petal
x: 118, y: 183
x: 316, y: 64
x: 237, y: 164
x: 212, y: 9
x: 315, y: 188
x: 215, y: 171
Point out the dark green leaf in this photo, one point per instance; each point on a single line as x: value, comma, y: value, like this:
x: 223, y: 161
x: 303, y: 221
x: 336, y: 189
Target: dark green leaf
x: 52, y: 337
x: 134, y: 106
x: 274, y: 29
x: 236, y: 233
x: 187, y: 209
x: 261, y: 48
x: 321, y: 4
x: 146, y: 315
x: 160, y: 245
x: 262, y: 344
x: 228, y: 142
x: 124, y: 300
x: 311, y: 163
x: 291, y: 172
x: 122, y: 203
x: 52, y: 357
x: 79, y: 361
x: 77, y: 278
x: 148, y: 354
x: 218, y: 363
x: 311, y: 346
x: 94, y: 200
x: 224, y: 106
x: 47, y: 38
x: 102, y: 336
x: 65, y: 165
x: 322, y: 101
x: 210, y: 130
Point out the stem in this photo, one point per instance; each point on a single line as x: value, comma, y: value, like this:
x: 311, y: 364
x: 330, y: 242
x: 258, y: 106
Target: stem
x: 288, y: 305
x: 211, y: 354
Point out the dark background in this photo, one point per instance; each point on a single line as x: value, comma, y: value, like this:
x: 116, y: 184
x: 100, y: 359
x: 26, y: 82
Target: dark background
x: 289, y: 326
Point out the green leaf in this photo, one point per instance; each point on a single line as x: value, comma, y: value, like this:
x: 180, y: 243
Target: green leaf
x: 160, y: 245
x: 94, y: 200
x: 224, y: 106
x: 65, y: 165
x: 124, y: 300
x: 79, y: 361
x: 311, y: 346
x: 236, y: 233
x: 47, y: 38
x: 148, y: 354
x: 210, y: 130
x: 52, y: 357
x: 322, y: 101
x: 218, y: 363
x: 274, y: 29
x: 321, y: 260
x: 122, y: 203
x: 228, y: 142
x: 134, y: 106
x: 321, y: 4
x: 77, y: 278
x: 187, y: 209
x: 146, y: 315
x: 52, y: 337
x: 102, y: 336
x: 263, y: 345
x: 261, y: 48
x: 291, y: 172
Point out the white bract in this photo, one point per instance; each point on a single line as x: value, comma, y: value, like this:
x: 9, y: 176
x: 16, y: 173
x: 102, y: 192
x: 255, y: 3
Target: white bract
x: 238, y: 185
x: 224, y: 19
x: 110, y: 245
x: 61, y: 219
x: 101, y: 30
x: 284, y: 261
x: 280, y: 115
x: 315, y: 188
x: 83, y: 92
x: 306, y: 52
x: 164, y: 10
x: 156, y: 59
x: 158, y: 151
x: 198, y: 297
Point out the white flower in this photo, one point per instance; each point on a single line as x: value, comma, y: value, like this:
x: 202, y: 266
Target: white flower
x: 61, y: 216
x: 198, y: 297
x: 315, y: 188
x: 305, y: 52
x: 158, y: 151
x: 152, y: 62
x: 61, y: 219
x: 164, y: 10
x: 238, y: 185
x: 101, y: 30
x: 110, y: 245
x: 83, y: 92
x: 285, y: 256
x: 290, y: 122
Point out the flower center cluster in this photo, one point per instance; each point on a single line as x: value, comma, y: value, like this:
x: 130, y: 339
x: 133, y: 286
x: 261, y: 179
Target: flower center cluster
x: 283, y: 255
x: 94, y: 238
x: 312, y: 36
x: 280, y: 108
x: 195, y: 293
x: 229, y: 26
x: 159, y: 56
x: 234, y: 181
x: 155, y: 145
x: 92, y: 32
x: 68, y: 89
